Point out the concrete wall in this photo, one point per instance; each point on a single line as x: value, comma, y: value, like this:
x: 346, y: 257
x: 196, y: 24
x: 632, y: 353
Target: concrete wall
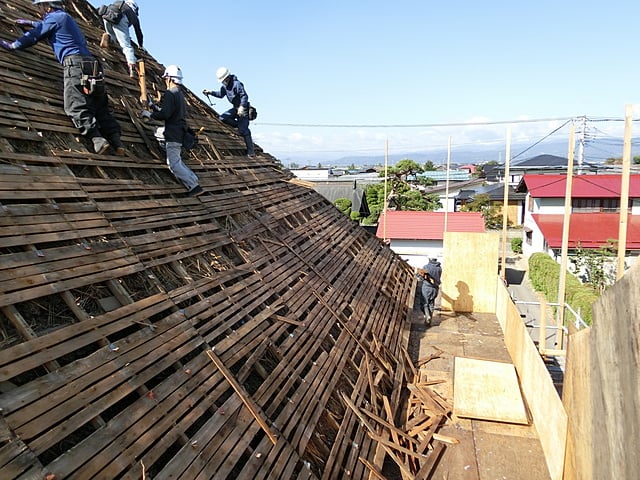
x: 467, y: 279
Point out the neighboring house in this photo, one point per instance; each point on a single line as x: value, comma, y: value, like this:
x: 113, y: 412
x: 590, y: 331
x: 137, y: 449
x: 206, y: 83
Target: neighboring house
x: 418, y: 236
x: 595, y: 212
x: 332, y: 191
x: 515, y: 201
x: 540, y: 164
x: 448, y: 203
x: 440, y: 176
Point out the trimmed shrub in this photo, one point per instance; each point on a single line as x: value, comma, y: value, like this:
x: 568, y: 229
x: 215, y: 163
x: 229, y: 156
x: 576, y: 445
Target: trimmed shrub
x: 544, y: 273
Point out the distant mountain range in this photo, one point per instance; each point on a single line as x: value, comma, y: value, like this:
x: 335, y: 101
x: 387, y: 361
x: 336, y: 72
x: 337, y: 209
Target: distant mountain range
x: 595, y: 152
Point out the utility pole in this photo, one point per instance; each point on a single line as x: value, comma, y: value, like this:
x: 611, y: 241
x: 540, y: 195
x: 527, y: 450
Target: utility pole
x: 583, y: 134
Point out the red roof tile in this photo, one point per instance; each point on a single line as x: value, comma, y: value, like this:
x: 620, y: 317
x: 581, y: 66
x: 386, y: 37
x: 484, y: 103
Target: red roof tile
x: 427, y: 225
x: 584, y: 186
x: 591, y: 230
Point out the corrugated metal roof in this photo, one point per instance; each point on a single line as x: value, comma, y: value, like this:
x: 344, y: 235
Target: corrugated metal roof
x: 584, y: 186
x: 582, y: 231
x: 406, y: 225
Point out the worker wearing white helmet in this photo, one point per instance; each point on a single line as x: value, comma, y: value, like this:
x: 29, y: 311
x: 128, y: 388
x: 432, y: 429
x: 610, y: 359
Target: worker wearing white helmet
x: 118, y: 18
x: 85, y: 97
x: 173, y: 112
x: 238, y: 115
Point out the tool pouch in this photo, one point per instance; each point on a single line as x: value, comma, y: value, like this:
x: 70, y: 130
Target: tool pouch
x: 92, y: 79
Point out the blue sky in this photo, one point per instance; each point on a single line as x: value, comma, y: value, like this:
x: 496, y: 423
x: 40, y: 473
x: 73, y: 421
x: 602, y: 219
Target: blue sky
x: 362, y: 63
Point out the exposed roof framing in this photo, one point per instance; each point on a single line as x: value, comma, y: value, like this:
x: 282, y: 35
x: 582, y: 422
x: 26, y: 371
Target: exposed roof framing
x: 148, y: 333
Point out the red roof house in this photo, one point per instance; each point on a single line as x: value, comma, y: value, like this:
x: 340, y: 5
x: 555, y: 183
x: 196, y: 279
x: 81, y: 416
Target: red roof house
x: 418, y: 236
x: 406, y: 225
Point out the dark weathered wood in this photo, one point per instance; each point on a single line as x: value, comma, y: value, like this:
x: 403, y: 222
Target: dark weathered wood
x: 298, y: 302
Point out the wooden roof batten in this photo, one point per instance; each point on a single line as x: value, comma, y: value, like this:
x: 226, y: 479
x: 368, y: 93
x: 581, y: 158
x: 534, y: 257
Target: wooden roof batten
x: 245, y: 333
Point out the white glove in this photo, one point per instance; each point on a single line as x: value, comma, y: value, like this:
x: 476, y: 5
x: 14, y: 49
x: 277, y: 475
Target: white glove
x: 145, y: 114
x: 241, y: 111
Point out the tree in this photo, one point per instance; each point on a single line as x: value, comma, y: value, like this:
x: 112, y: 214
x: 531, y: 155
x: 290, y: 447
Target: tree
x: 596, y: 265
x: 344, y: 205
x: 405, y: 167
x: 490, y: 213
x: 293, y: 165
x: 429, y: 166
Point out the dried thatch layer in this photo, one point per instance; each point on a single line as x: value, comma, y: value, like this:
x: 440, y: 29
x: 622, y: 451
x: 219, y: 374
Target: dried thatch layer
x: 146, y: 333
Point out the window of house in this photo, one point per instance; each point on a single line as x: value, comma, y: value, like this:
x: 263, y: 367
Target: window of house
x: 604, y: 205
x: 530, y: 206
x: 529, y: 237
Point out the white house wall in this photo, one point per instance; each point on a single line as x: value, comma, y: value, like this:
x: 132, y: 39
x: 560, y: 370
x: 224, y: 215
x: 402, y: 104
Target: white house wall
x: 417, y: 252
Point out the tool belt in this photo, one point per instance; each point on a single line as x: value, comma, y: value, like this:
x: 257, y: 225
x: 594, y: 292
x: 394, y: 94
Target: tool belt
x: 92, y: 76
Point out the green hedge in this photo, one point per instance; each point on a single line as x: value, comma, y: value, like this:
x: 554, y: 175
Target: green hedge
x: 544, y: 273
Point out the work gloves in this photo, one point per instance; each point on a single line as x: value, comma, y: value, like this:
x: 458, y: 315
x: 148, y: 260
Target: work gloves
x: 23, y: 22
x: 207, y: 92
x: 242, y: 111
x: 145, y: 114
x: 8, y: 45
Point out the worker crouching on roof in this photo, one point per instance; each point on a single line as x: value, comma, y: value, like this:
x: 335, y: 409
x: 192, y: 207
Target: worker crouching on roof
x: 85, y: 97
x: 238, y: 115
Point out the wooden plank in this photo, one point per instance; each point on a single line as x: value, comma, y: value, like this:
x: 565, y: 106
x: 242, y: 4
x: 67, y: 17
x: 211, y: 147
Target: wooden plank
x: 487, y: 391
x: 251, y: 406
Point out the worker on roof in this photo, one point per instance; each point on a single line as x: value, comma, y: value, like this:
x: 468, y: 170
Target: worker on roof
x: 85, y: 97
x: 118, y: 18
x: 431, y: 275
x: 238, y: 115
x: 173, y: 112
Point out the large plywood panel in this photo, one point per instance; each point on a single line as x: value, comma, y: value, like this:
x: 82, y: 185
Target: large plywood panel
x: 468, y: 278
x: 615, y: 379
x: 487, y: 391
x: 576, y: 398
x: 543, y: 401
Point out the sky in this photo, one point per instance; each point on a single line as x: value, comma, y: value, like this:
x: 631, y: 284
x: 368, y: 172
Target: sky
x: 349, y: 77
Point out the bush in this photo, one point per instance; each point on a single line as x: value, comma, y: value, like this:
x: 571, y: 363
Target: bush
x: 544, y: 273
x: 344, y: 205
x: 516, y: 245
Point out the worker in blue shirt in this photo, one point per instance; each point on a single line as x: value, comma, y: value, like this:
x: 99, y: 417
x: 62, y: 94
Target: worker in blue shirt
x: 238, y: 115
x: 85, y: 97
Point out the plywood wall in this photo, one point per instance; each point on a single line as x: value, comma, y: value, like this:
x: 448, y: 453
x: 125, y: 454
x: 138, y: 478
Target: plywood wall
x: 470, y: 265
x: 615, y: 379
x: 545, y: 405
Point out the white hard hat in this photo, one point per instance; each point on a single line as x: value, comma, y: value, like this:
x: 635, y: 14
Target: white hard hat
x: 174, y: 73
x: 56, y: 3
x: 222, y: 73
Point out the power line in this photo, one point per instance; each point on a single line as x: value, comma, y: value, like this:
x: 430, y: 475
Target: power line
x: 413, y: 125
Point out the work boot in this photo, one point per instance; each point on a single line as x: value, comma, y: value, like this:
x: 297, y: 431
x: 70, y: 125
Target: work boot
x: 118, y: 145
x: 133, y: 73
x: 100, y: 145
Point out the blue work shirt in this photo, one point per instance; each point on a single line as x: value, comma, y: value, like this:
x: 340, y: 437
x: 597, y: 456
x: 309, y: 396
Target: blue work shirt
x: 62, y: 33
x: 236, y: 93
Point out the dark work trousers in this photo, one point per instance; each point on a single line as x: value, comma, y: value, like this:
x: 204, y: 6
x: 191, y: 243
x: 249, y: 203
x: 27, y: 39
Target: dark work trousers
x: 230, y: 117
x: 429, y: 295
x: 89, y: 111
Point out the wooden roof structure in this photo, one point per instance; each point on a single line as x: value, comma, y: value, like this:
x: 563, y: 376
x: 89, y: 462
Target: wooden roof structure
x: 146, y: 334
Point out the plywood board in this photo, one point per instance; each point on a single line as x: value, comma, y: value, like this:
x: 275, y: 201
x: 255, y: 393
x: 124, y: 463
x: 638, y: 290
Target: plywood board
x: 487, y: 391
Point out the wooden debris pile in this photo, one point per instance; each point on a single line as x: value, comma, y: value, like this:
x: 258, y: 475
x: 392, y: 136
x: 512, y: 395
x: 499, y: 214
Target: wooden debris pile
x: 416, y: 447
